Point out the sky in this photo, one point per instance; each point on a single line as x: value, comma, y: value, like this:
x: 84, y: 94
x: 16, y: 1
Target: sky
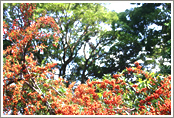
x: 120, y: 6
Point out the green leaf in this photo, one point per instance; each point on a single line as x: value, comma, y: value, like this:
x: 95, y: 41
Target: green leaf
x: 99, y: 95
x: 143, y: 85
x: 104, y: 78
x: 159, y: 79
x: 47, y: 81
x: 140, y: 80
x: 81, y: 108
x: 130, y: 83
x: 119, y: 94
x: 61, y: 89
x: 43, y: 61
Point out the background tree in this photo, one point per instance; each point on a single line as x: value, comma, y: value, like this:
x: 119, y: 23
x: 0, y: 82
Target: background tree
x: 135, y: 40
x: 78, y: 24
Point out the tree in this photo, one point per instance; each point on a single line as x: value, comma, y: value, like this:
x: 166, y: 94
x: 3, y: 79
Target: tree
x: 150, y: 38
x: 78, y: 24
x: 132, y: 36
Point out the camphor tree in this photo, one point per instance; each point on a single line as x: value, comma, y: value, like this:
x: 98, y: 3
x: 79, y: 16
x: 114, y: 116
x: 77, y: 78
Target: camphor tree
x: 78, y: 24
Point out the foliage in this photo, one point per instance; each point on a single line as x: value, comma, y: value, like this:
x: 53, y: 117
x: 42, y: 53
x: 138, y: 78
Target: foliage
x: 134, y: 39
x: 78, y: 24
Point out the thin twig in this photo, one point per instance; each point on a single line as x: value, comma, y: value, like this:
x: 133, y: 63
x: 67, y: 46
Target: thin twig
x: 56, y: 91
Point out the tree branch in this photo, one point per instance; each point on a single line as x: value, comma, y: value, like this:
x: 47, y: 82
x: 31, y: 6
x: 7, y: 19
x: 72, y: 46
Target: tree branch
x: 84, y: 51
x: 56, y: 91
x: 85, y: 31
